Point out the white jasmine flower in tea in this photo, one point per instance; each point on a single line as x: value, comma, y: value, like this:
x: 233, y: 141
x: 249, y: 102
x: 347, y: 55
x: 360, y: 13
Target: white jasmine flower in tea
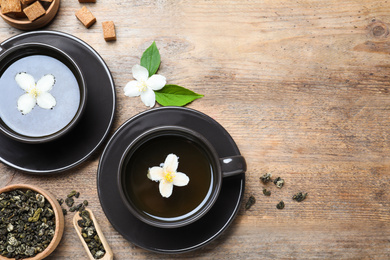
x: 168, y: 176
x: 35, y: 93
x: 144, y: 85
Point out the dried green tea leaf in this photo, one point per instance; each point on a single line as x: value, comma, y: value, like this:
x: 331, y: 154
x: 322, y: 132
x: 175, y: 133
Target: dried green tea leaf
x: 72, y: 193
x: 266, y: 178
x: 266, y: 192
x: 250, y: 202
x: 36, y: 215
x: 299, y: 196
x: 279, y: 182
x: 69, y: 202
x: 60, y: 201
x: 280, y: 205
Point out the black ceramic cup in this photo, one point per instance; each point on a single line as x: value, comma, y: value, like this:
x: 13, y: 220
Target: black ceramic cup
x: 197, y: 158
x: 40, y: 125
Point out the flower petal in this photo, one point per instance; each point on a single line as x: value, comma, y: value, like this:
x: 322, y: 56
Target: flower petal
x: 166, y: 188
x: 46, y: 83
x: 26, y: 103
x: 181, y: 179
x: 46, y: 100
x: 171, y: 163
x: 156, y: 82
x: 148, y: 97
x: 131, y: 89
x: 156, y: 173
x: 25, y: 81
x: 140, y: 73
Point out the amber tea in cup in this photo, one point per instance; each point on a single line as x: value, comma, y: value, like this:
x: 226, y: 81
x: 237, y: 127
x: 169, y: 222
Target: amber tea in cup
x: 197, y: 159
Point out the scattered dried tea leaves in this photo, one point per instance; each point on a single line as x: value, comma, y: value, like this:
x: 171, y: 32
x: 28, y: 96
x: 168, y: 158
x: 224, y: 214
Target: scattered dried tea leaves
x: 250, y: 202
x: 70, y: 202
x: 279, y: 182
x: 266, y: 178
x: 266, y: 192
x: 90, y: 235
x: 80, y: 207
x: 88, y: 229
x: 280, y: 205
x: 299, y: 196
x: 27, y: 224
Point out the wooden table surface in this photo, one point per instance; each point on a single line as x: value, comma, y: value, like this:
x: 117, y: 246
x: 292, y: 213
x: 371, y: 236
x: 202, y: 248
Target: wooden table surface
x: 302, y: 87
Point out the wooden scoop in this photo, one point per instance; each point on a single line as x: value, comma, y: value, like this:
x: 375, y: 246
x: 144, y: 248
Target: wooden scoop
x: 109, y: 254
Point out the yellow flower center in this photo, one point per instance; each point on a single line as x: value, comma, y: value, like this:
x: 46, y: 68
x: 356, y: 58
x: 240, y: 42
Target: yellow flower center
x: 169, y: 176
x: 142, y: 86
x: 34, y: 92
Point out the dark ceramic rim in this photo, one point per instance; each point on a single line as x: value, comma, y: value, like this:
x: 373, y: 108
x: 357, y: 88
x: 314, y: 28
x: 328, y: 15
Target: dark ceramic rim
x: 16, y: 52
x: 190, y: 135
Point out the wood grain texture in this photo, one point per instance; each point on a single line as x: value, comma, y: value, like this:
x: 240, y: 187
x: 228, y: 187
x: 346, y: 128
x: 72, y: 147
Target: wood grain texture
x: 302, y: 87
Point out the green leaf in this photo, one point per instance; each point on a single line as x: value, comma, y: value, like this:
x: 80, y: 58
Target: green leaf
x: 151, y: 59
x: 173, y: 95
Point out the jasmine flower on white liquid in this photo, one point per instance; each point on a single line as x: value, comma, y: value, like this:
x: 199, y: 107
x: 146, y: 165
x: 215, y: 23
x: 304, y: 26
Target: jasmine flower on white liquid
x: 35, y: 93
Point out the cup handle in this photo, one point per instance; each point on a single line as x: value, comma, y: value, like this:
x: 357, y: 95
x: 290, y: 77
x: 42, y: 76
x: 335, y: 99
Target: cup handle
x: 232, y: 165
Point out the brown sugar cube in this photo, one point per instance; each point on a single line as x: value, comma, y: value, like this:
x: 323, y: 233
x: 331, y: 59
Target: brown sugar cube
x: 11, y: 6
x: 109, y: 31
x: 85, y: 17
x: 87, y: 1
x: 34, y: 11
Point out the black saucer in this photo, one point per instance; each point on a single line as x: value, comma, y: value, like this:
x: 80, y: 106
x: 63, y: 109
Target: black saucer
x: 76, y: 146
x: 175, y: 240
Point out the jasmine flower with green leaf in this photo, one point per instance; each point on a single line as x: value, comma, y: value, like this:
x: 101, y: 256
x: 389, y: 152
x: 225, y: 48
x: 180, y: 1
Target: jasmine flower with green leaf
x: 144, y: 86
x: 151, y: 87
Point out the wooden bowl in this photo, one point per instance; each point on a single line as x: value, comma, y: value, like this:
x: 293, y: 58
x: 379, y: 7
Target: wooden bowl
x: 59, y: 219
x: 25, y: 24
